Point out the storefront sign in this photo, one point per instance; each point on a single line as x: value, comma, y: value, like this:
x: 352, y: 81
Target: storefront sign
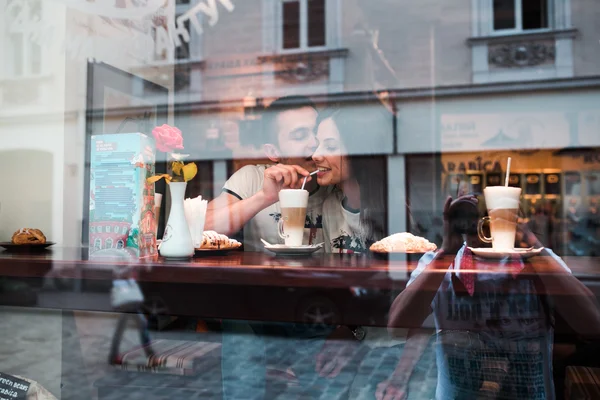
x: 167, y: 39
x: 231, y: 64
x: 114, y: 9
x: 477, y: 164
x: 168, y: 36
x: 12, y: 388
x: 520, y: 131
x: 591, y: 158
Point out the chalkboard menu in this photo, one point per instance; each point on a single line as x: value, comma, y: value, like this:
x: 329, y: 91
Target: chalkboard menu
x: 552, y: 183
x: 12, y: 388
x: 533, y: 184
x: 514, y: 180
x: 572, y: 183
x: 494, y: 179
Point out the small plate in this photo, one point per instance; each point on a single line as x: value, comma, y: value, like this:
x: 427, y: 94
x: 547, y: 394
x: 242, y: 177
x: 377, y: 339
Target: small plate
x: 283, y: 250
x: 26, y: 248
x: 486, y: 252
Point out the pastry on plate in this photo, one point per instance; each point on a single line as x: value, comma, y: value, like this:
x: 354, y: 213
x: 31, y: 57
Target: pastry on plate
x: 403, y: 242
x: 28, y: 236
x: 212, y: 240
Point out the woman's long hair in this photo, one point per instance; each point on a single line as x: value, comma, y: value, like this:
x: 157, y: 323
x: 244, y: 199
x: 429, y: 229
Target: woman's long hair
x: 364, y: 132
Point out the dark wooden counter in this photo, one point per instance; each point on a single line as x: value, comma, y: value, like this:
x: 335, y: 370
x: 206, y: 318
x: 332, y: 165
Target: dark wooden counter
x: 251, y: 285
x: 239, y: 268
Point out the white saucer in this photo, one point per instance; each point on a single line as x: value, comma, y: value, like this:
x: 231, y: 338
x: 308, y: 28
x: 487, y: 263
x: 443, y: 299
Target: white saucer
x: 486, y: 252
x: 282, y: 249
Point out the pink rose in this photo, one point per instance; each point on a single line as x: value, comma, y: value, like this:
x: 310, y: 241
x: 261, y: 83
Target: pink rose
x: 168, y: 138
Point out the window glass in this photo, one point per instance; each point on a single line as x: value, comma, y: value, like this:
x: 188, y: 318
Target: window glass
x: 316, y: 23
x: 504, y: 14
x: 291, y: 24
x: 535, y: 14
x: 309, y: 199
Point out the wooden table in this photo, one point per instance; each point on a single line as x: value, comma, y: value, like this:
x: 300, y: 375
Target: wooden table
x: 255, y: 285
x: 239, y: 285
x: 322, y: 270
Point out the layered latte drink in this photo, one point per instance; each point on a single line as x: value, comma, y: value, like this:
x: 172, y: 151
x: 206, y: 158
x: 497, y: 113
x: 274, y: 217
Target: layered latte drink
x: 503, y: 208
x: 293, y: 204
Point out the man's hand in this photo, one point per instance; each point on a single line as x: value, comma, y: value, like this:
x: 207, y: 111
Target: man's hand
x: 392, y: 389
x: 280, y: 177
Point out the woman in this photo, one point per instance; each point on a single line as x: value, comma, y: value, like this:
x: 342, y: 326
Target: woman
x: 354, y: 214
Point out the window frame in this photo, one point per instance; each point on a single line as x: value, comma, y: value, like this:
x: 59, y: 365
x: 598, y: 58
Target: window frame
x: 518, y: 29
x: 303, y: 28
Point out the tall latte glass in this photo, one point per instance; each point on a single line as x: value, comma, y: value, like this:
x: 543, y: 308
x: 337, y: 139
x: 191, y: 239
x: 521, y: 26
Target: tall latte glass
x: 293, y: 204
x: 502, y: 203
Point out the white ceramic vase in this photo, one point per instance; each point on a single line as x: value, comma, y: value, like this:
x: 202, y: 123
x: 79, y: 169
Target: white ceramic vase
x: 177, y: 241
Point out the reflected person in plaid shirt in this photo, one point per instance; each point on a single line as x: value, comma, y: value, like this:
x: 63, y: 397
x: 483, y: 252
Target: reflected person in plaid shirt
x: 494, y: 319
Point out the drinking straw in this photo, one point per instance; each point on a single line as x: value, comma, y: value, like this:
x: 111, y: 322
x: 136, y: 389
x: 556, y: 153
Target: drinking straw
x: 507, y: 172
x: 306, y: 177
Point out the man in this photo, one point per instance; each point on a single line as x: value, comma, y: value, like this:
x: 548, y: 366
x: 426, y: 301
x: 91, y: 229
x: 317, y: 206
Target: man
x: 249, y: 200
x: 495, y: 326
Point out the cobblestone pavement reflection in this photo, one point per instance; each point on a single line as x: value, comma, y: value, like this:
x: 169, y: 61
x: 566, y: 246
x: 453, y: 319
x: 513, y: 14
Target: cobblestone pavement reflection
x: 34, y: 345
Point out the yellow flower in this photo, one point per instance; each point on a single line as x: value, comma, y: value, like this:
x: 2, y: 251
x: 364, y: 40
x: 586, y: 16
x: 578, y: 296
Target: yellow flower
x: 189, y: 171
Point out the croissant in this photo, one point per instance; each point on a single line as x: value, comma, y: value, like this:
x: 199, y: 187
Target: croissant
x: 28, y: 236
x: 212, y: 240
x: 403, y: 242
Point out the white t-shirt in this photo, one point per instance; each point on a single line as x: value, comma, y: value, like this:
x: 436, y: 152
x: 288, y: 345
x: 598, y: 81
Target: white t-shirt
x: 247, y: 182
x: 341, y: 225
x: 501, y: 334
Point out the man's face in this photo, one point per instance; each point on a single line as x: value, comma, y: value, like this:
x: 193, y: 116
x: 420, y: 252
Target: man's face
x: 296, y: 137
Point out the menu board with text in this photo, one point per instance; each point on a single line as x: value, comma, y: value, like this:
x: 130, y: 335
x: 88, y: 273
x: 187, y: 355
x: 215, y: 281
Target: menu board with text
x: 514, y: 180
x: 13, y: 388
x: 552, y: 184
x: 533, y: 184
x: 494, y: 179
